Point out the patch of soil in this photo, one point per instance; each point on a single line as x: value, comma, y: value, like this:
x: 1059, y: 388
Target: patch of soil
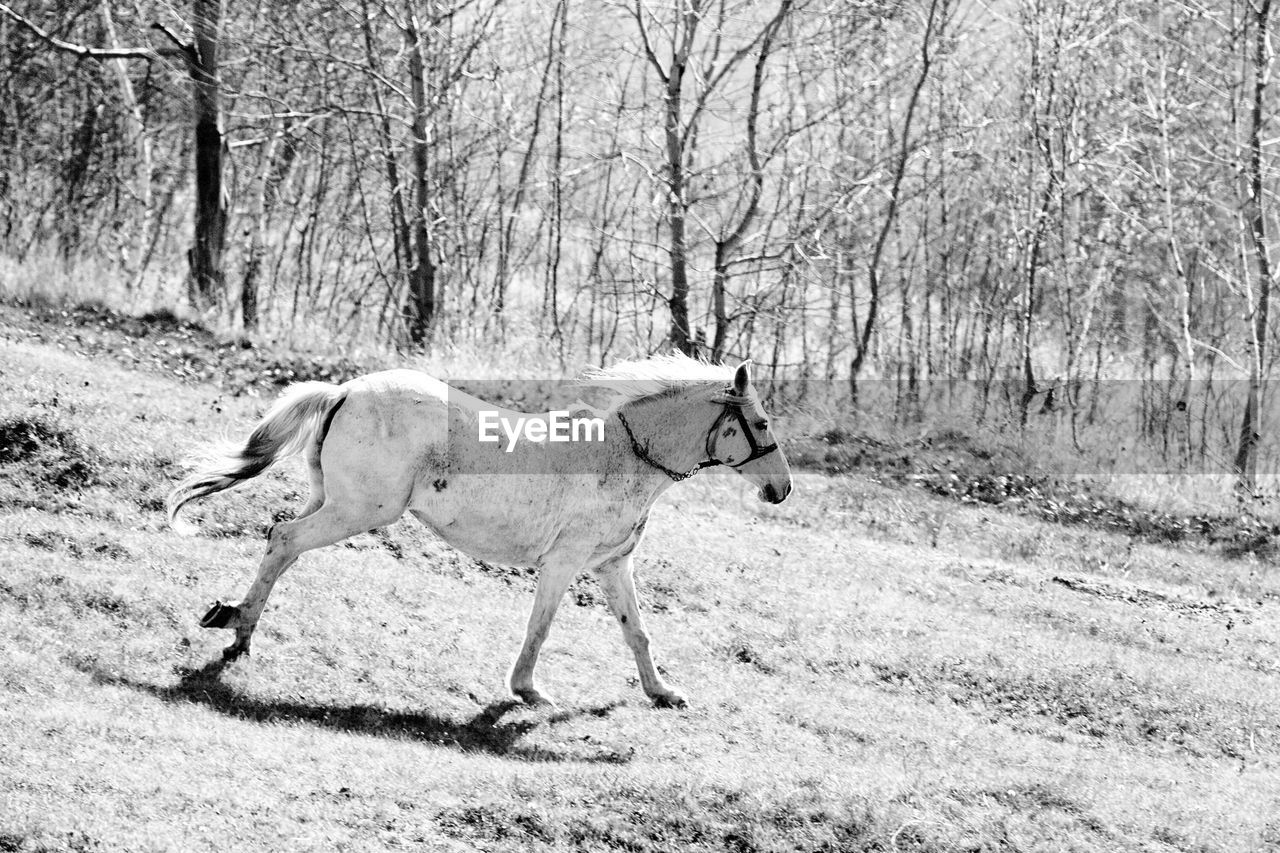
x: 1143, y: 597
x: 162, y: 343
x: 48, y: 452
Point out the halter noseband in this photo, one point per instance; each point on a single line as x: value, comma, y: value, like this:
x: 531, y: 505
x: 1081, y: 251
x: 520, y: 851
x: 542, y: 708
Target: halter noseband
x: 733, y: 403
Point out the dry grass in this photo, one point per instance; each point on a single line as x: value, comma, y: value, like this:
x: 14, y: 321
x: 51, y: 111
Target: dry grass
x: 90, y: 291
x: 871, y: 667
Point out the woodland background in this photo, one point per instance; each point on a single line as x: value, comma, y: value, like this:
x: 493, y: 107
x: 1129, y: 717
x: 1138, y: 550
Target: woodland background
x: 1022, y: 199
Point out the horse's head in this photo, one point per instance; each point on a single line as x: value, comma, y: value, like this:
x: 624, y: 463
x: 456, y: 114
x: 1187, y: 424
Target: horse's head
x: 743, y: 439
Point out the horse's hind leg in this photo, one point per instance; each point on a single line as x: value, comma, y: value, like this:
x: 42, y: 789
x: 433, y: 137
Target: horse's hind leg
x: 315, y: 474
x: 287, y: 540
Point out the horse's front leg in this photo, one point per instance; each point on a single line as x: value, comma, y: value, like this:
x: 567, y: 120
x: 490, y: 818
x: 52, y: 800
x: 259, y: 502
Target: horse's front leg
x: 619, y: 587
x: 552, y: 583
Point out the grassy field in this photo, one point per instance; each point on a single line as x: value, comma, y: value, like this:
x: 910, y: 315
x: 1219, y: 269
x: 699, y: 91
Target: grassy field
x: 869, y: 667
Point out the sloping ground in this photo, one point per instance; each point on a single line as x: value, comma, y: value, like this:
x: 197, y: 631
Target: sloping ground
x: 167, y: 345
x: 945, y: 461
x: 870, y: 668
x: 992, y: 470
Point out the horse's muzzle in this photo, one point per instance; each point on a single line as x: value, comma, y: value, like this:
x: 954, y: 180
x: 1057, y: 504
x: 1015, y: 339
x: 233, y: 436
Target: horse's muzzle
x: 773, y: 495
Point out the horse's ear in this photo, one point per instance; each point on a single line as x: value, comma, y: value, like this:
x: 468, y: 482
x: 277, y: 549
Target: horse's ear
x: 742, y: 378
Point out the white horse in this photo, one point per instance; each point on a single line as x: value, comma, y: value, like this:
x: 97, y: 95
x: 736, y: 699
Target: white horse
x: 397, y: 440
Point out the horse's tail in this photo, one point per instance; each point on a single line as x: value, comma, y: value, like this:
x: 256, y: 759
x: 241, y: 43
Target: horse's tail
x: 300, y: 415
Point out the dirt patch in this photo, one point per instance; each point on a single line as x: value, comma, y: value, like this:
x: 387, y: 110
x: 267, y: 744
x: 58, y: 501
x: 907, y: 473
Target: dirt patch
x: 162, y: 343
x: 1099, y: 702
x: 98, y: 546
x: 1143, y: 597
x: 64, y: 597
x: 712, y: 820
x: 46, y: 451
x: 743, y: 651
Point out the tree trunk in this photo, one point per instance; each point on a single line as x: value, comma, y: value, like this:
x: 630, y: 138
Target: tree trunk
x: 420, y: 309
x: 676, y: 211
x: 1246, y: 461
x: 74, y: 174
x: 400, y: 239
x: 556, y: 235
x: 140, y: 141
x: 729, y: 245
x: 719, y: 283
x: 256, y: 236
x: 208, y: 279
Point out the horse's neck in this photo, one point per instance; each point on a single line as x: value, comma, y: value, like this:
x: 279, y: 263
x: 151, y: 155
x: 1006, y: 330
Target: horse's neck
x: 671, y: 429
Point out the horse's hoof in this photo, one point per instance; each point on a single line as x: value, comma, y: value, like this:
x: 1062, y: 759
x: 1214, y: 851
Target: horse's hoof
x: 234, y: 651
x: 535, y: 698
x: 674, y: 699
x: 220, y: 616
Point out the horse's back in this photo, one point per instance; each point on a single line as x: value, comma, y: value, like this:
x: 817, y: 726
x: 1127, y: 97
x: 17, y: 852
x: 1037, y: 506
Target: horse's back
x: 398, y: 383
x: 398, y: 424
x: 387, y: 424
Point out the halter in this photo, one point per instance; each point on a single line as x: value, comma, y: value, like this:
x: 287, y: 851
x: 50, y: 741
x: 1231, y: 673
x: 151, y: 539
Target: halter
x: 733, y: 403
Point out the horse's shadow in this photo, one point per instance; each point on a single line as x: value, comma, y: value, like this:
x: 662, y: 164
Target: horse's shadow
x: 484, y: 732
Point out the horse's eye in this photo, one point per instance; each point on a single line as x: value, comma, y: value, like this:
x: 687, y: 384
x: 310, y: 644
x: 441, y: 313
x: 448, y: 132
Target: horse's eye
x: 762, y: 425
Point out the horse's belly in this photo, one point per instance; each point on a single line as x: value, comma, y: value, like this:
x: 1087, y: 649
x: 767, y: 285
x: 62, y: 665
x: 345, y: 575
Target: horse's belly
x: 492, y: 549
x: 486, y: 535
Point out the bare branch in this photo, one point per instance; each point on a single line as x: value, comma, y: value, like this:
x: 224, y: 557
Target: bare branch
x: 97, y: 53
x: 648, y: 47
x: 733, y: 241
x: 713, y: 82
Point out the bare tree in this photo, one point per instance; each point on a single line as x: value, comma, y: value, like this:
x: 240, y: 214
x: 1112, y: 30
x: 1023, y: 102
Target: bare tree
x: 1246, y: 460
x: 730, y: 242
x: 420, y: 308
x: 697, y: 49
x: 683, y: 30
x: 207, y: 281
x: 936, y: 16
x: 139, y: 141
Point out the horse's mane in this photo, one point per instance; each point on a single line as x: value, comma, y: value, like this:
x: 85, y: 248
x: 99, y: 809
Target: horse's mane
x: 656, y: 376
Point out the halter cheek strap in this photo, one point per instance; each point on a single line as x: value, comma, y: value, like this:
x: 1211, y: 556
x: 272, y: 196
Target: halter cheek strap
x: 757, y: 449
